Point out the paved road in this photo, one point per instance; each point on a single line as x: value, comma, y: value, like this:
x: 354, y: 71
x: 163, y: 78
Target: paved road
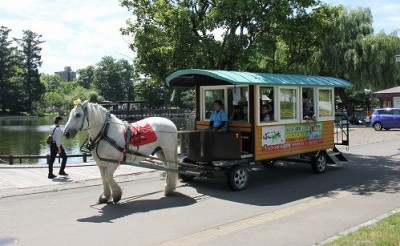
x: 284, y: 205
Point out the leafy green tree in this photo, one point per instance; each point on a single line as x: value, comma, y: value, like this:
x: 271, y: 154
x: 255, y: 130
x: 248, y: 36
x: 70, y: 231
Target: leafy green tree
x: 172, y: 35
x: 52, y: 82
x: 379, y: 69
x: 148, y: 90
x: 351, y: 51
x: 113, y: 79
x: 8, y: 68
x: 30, y: 49
x: 86, y: 76
x: 54, y: 101
x: 54, y: 97
x: 183, y: 98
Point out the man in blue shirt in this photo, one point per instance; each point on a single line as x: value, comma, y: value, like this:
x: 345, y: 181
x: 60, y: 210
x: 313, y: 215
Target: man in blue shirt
x: 219, y: 118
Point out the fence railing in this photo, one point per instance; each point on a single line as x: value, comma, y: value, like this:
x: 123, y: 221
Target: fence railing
x: 143, y: 113
x: 11, y: 158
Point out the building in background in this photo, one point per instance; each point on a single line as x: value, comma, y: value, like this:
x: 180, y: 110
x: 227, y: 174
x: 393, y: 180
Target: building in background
x: 389, y: 98
x: 67, y: 74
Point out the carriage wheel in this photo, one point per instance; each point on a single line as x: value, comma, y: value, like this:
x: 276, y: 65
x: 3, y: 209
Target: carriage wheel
x: 238, y: 178
x: 319, y: 163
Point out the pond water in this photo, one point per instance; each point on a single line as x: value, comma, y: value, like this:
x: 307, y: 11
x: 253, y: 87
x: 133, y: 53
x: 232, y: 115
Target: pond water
x: 28, y: 137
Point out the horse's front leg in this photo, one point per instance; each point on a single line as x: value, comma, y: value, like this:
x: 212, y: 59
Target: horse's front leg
x: 116, y: 191
x: 105, y: 197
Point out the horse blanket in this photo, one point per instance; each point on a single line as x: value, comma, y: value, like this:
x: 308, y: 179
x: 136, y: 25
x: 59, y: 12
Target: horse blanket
x: 142, y: 133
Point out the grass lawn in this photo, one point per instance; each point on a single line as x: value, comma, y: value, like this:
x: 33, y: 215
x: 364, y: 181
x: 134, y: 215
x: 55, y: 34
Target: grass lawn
x: 385, y: 232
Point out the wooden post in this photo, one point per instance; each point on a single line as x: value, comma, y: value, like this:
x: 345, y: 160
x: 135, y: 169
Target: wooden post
x: 84, y: 157
x: 11, y: 161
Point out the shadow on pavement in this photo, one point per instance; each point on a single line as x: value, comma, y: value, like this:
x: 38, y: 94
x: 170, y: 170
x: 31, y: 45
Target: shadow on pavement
x: 62, y: 179
x: 287, y: 182
x: 131, y: 205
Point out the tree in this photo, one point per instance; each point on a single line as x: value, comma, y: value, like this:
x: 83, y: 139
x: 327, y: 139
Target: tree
x: 113, y: 79
x: 351, y: 51
x: 52, y: 82
x: 148, y: 90
x: 228, y: 35
x: 30, y: 49
x: 183, y: 98
x: 8, y: 68
x: 86, y: 76
x: 379, y: 68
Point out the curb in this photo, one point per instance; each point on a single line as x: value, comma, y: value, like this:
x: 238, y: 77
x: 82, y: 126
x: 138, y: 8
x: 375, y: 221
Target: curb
x: 355, y: 228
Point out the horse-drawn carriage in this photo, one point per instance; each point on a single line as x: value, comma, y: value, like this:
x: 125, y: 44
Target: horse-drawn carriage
x: 284, y: 128
x: 255, y: 139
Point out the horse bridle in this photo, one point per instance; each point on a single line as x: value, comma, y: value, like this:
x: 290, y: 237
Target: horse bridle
x: 83, y: 121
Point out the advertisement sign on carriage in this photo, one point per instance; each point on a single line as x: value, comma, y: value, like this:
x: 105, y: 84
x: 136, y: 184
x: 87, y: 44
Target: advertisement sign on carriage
x: 291, y: 136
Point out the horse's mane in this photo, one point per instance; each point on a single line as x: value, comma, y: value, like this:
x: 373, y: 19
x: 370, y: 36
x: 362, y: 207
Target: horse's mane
x: 98, y: 112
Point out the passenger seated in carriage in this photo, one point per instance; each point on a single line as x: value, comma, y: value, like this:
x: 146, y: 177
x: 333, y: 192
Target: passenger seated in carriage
x: 219, y: 118
x: 237, y: 113
x: 307, y: 107
x: 266, y: 112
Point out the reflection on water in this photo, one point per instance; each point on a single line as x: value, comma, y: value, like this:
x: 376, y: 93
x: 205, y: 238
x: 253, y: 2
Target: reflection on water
x: 28, y: 137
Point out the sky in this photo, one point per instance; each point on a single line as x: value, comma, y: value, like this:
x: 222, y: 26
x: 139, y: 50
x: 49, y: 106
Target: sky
x: 78, y: 33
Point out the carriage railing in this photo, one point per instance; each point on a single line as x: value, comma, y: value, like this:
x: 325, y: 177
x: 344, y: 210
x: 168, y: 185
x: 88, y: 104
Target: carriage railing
x: 341, y: 129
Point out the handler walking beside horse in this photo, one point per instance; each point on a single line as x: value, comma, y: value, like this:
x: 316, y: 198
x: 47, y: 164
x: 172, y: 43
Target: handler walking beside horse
x: 56, y: 148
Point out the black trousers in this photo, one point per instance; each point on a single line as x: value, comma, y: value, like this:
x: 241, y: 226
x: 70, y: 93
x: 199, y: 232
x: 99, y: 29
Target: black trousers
x: 53, y: 154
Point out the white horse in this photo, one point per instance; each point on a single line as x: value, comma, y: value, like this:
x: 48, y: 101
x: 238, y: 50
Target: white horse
x: 108, y: 138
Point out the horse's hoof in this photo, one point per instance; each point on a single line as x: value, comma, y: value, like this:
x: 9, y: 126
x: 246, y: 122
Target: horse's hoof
x: 169, y: 192
x: 117, y: 198
x: 102, y: 199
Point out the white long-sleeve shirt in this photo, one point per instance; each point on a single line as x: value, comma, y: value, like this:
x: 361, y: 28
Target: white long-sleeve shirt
x: 56, y: 135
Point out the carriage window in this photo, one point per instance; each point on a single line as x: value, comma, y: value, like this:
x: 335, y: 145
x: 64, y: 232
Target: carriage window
x: 238, y: 103
x: 325, y: 103
x: 288, y: 103
x: 267, y: 112
x: 210, y: 97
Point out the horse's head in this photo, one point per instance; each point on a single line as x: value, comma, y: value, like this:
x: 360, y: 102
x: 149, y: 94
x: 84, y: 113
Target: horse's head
x: 77, y: 118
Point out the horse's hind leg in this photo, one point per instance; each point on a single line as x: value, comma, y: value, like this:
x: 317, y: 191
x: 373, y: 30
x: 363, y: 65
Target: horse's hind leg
x: 116, y: 191
x: 170, y: 162
x: 103, y: 198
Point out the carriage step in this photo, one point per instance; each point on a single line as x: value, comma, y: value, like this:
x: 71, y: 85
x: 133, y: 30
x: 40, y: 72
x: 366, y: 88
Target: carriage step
x: 340, y: 157
x: 339, y: 154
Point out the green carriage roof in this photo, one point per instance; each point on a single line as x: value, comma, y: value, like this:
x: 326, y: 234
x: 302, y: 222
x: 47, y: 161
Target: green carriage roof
x: 191, y: 77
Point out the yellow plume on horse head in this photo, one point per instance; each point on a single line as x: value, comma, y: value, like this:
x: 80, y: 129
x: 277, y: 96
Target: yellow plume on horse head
x: 77, y: 101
